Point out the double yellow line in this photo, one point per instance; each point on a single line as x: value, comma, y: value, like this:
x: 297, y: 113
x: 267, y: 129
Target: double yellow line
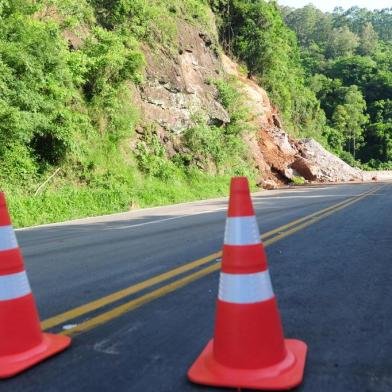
x: 268, y: 238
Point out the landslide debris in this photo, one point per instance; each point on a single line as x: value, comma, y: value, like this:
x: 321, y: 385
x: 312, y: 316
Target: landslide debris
x: 279, y: 157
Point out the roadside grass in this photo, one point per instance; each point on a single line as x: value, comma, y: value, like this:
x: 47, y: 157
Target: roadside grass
x: 70, y: 202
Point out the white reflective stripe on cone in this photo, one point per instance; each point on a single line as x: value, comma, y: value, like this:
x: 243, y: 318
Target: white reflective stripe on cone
x: 14, y: 286
x: 245, y: 289
x: 242, y: 231
x: 7, y: 238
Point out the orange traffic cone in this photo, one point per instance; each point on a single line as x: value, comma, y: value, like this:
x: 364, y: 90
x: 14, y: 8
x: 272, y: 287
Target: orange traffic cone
x: 249, y: 349
x: 22, y: 344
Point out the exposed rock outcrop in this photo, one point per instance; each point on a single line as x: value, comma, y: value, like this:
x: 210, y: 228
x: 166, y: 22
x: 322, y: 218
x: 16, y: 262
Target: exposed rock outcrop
x: 177, y: 86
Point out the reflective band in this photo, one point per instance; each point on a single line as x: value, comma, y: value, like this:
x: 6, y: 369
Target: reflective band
x: 14, y: 286
x: 7, y: 238
x: 242, y: 231
x: 245, y: 289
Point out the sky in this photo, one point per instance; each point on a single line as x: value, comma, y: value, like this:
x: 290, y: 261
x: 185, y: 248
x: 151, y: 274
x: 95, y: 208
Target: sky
x: 326, y: 5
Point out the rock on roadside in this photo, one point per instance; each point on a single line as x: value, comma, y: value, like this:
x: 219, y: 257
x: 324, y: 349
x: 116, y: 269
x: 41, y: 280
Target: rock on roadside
x: 317, y: 164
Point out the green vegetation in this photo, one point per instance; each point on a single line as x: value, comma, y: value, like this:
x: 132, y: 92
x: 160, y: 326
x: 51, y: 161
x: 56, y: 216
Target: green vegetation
x: 66, y: 202
x: 347, y: 57
x: 67, y: 118
x: 222, y: 146
x: 68, y: 68
x: 298, y: 180
x: 153, y: 22
x: 255, y: 33
x: 329, y: 73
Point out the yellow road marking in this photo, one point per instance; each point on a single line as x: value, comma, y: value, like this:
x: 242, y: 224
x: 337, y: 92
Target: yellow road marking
x: 133, y: 304
x: 295, y: 222
x: 99, y: 303
x: 118, y: 311
x: 316, y: 219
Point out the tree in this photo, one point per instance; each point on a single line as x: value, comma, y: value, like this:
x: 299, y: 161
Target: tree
x: 354, y: 49
x: 382, y: 23
x: 379, y: 139
x: 379, y: 133
x: 355, y: 18
x: 352, y: 70
x: 342, y: 42
x: 350, y: 118
x: 310, y: 24
x: 330, y: 92
x: 335, y: 139
x: 368, y: 40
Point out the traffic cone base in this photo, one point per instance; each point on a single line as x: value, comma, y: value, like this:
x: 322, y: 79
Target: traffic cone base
x: 285, y: 375
x: 11, y: 365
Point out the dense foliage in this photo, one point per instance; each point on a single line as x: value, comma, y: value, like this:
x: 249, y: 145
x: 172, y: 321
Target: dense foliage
x: 329, y: 73
x: 255, y: 33
x: 51, y: 97
x: 67, y: 116
x: 347, y: 56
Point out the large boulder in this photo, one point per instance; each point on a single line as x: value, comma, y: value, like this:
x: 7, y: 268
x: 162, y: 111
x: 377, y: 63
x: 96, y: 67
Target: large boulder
x: 318, y: 164
x: 305, y: 169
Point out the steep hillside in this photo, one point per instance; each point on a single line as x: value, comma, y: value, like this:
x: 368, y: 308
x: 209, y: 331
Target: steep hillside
x: 106, y: 107
x: 179, y: 87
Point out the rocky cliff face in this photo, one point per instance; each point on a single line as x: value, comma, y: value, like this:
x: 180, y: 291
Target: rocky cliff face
x: 177, y: 85
x: 178, y: 89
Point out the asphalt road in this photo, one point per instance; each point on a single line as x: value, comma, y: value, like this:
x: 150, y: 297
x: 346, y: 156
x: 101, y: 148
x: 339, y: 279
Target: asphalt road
x: 138, y: 327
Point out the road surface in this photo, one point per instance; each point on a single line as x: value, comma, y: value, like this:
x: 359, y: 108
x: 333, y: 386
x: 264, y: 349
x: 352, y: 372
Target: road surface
x: 137, y: 290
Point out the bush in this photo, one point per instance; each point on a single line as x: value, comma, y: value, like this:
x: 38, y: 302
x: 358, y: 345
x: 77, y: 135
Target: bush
x: 348, y: 158
x: 151, y: 21
x: 298, y: 180
x: 38, y: 100
x: 18, y: 165
x: 151, y: 157
x: 231, y: 97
